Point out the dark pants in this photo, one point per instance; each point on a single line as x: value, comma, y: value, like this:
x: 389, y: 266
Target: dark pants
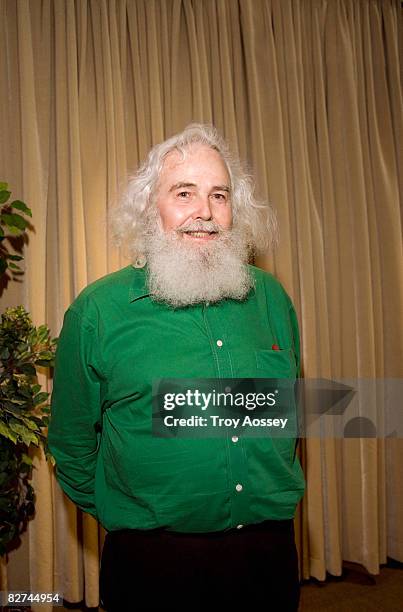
x: 155, y: 570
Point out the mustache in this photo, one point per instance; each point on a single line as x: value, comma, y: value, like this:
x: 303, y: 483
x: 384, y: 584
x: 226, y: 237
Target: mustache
x: 201, y: 226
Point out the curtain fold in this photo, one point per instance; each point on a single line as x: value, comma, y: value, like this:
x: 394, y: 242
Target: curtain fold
x: 309, y: 94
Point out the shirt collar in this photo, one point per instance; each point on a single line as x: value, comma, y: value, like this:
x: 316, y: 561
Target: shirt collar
x: 139, y: 287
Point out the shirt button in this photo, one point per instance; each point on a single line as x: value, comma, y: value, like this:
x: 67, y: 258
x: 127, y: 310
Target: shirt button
x: 239, y: 487
x: 239, y: 526
x: 234, y: 438
x: 219, y: 342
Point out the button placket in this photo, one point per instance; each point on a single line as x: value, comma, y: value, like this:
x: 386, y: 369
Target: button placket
x: 220, y: 338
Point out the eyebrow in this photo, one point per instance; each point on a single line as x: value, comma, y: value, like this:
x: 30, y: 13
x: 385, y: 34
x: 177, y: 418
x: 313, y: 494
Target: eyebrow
x: 221, y: 188
x: 181, y: 185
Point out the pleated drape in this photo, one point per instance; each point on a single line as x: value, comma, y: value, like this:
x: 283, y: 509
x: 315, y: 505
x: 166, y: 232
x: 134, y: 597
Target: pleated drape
x: 309, y: 93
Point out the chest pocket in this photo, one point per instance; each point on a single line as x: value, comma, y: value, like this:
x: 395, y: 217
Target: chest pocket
x: 276, y: 364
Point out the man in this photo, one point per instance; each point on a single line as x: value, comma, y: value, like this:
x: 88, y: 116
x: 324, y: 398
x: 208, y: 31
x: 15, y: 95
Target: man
x: 191, y: 522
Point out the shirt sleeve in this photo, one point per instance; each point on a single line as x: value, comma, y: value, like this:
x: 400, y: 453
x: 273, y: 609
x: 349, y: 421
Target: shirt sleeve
x: 295, y: 338
x: 75, y: 422
x: 297, y: 352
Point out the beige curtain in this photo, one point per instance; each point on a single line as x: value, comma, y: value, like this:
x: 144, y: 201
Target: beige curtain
x: 309, y: 93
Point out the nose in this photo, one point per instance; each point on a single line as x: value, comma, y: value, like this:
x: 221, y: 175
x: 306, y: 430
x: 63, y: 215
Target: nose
x: 202, y: 208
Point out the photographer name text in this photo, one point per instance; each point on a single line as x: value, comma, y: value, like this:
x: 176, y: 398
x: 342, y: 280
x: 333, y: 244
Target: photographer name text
x: 217, y: 421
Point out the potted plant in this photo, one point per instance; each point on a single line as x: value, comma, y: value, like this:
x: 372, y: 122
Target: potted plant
x: 23, y: 405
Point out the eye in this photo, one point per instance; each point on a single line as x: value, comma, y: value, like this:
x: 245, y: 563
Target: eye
x: 219, y: 196
x: 183, y: 194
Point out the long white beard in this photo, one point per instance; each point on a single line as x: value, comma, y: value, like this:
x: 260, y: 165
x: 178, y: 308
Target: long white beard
x: 181, y: 273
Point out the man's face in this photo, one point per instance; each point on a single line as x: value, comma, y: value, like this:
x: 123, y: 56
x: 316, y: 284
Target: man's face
x: 194, y: 193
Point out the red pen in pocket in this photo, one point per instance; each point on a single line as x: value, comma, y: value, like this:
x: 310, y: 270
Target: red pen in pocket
x: 275, y: 347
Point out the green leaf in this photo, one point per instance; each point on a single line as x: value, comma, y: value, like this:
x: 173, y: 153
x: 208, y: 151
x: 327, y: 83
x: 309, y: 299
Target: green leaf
x: 46, y: 355
x: 44, y: 363
x: 32, y: 424
x: 14, y: 230
x: 16, y: 411
x: 49, y: 456
x: 24, y: 391
x: 14, y: 220
x: 14, y: 266
x: 21, y: 206
x: 7, y: 433
x: 27, y: 368
x: 40, y: 398
x: 5, y: 353
x: 4, y: 195
x: 37, y: 421
x: 3, y: 185
x: 10, y: 401
x: 26, y: 459
x: 26, y: 435
x: 15, y: 257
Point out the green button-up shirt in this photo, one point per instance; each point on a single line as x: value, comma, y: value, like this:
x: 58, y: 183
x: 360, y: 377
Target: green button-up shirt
x: 114, y: 342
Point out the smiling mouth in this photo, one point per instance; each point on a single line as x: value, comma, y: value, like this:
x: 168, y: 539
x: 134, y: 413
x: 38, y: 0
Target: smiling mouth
x: 201, y: 234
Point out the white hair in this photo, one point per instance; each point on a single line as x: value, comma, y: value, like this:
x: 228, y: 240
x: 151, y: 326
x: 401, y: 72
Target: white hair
x: 128, y: 220
x: 180, y: 274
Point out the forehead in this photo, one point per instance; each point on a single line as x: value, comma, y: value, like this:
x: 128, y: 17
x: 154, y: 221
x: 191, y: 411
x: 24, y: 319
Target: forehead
x: 200, y: 162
